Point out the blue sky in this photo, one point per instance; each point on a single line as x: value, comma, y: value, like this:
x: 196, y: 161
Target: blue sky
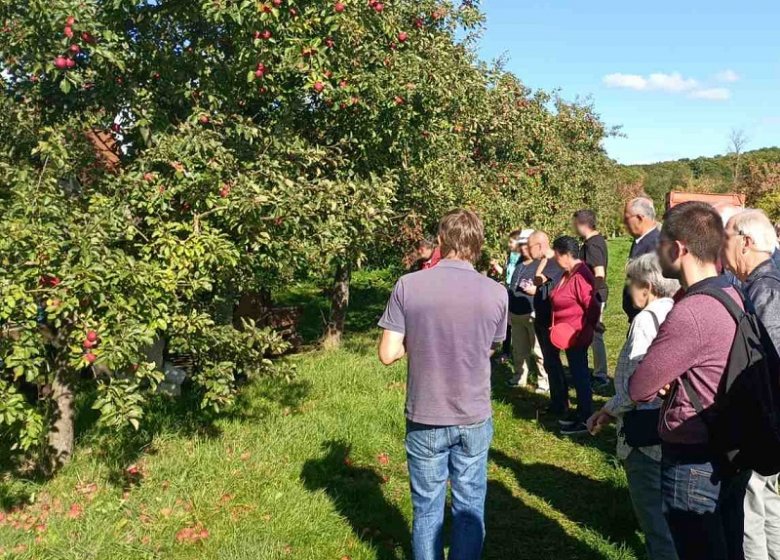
x: 677, y: 75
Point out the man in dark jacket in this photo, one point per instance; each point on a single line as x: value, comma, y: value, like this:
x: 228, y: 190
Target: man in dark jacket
x: 750, y: 243
x: 639, y: 219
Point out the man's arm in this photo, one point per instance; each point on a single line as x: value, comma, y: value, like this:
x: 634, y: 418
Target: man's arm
x: 391, y: 347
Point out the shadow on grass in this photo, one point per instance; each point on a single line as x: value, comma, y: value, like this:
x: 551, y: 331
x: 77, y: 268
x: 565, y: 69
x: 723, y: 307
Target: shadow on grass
x: 182, y: 416
x: 527, y: 405
x: 356, y: 492
x: 598, y: 505
x: 515, y: 530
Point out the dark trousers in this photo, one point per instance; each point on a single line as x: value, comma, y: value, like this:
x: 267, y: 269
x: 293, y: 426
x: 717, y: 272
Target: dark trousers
x: 559, y: 388
x: 704, y: 510
x: 506, y: 348
x: 578, y: 367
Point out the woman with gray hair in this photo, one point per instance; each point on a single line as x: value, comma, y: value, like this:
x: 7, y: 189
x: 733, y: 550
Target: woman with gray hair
x: 638, y: 444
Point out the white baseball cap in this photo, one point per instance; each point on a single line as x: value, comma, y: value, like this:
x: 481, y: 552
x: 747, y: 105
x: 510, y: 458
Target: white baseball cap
x: 524, y: 235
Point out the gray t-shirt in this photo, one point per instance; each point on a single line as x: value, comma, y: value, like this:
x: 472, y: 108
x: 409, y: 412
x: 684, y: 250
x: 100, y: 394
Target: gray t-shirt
x: 451, y: 316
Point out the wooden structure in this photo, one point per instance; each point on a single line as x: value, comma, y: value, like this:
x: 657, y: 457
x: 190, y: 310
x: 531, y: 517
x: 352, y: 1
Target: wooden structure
x: 717, y: 200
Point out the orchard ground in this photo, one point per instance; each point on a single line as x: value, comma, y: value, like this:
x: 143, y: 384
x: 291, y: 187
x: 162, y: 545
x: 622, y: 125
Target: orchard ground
x: 315, y: 469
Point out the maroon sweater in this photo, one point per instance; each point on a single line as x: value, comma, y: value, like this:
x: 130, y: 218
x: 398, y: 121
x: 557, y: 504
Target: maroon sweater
x: 695, y: 340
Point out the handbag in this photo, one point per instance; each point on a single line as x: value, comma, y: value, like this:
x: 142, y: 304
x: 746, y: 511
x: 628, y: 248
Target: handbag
x: 640, y: 427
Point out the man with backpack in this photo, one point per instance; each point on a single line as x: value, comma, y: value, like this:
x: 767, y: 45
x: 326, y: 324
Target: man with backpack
x: 750, y: 243
x: 691, y: 356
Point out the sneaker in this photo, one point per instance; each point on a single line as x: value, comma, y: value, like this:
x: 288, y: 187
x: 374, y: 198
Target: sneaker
x: 514, y: 382
x: 571, y: 419
x: 575, y: 429
x: 541, y: 391
x: 600, y: 383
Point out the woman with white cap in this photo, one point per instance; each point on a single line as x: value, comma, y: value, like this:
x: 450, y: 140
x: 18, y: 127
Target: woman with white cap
x: 525, y: 347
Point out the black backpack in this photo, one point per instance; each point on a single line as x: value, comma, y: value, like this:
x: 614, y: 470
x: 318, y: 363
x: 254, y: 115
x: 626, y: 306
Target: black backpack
x: 744, y: 422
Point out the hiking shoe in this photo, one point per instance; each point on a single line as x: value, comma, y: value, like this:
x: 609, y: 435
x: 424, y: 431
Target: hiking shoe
x: 575, y: 429
x: 600, y: 384
x: 571, y: 419
x: 514, y: 382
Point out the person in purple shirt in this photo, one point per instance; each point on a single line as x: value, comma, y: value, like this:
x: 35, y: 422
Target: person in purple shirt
x: 692, y: 345
x: 447, y: 321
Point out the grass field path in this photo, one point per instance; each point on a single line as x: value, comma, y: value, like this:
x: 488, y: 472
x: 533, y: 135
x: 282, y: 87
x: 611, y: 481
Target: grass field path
x: 315, y: 469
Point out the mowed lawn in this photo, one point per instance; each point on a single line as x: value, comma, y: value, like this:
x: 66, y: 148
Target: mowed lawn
x: 315, y: 469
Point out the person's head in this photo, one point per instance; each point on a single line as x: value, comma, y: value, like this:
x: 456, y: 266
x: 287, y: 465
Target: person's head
x: 567, y: 252
x: 750, y: 240
x: 646, y: 281
x: 639, y: 216
x: 425, y: 247
x: 584, y: 222
x: 691, y: 238
x: 513, y: 244
x: 461, y: 235
x: 538, y: 245
x: 522, y: 244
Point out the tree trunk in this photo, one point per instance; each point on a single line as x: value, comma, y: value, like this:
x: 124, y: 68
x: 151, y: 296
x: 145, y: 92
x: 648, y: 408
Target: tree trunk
x: 61, y: 435
x: 339, y: 301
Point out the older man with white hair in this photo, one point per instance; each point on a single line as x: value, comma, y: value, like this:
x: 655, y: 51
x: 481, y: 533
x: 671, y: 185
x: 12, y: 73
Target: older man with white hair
x: 748, y: 249
x: 640, y: 221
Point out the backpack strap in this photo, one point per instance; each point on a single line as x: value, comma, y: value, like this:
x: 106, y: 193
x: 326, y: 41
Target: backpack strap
x: 725, y: 299
x: 736, y: 313
x: 656, y: 322
x: 693, y: 396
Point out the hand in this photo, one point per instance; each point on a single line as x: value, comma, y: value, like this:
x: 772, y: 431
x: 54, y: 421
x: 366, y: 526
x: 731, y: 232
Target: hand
x: 598, y: 420
x: 665, y: 391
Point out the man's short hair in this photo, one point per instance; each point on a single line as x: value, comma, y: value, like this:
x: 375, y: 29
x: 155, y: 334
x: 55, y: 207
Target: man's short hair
x: 756, y: 225
x: 642, y: 206
x: 567, y: 245
x: 699, y: 226
x: 428, y: 241
x: 462, y: 231
x: 585, y: 217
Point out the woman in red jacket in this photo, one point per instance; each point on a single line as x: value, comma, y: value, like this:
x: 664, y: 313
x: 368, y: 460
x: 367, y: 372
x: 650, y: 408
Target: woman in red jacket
x: 576, y: 311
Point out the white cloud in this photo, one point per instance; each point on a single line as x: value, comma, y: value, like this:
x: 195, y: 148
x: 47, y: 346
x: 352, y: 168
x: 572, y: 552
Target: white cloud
x: 711, y: 94
x: 674, y: 83
x: 727, y: 76
x: 657, y: 81
x: 630, y: 81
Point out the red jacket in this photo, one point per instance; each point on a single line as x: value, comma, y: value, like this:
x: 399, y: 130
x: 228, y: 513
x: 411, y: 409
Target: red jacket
x: 433, y: 261
x: 574, y: 302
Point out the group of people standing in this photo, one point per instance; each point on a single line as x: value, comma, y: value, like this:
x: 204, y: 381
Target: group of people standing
x: 449, y: 319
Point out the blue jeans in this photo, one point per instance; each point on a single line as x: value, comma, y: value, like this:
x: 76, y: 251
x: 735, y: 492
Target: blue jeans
x: 644, y: 485
x: 436, y: 454
x: 704, y: 510
x: 559, y: 388
x: 578, y: 366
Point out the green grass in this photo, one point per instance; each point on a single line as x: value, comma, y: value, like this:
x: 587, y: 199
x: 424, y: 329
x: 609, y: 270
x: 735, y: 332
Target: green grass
x: 315, y: 470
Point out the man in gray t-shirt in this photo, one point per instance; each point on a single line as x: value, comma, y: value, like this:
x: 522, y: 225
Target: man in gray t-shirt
x: 447, y: 320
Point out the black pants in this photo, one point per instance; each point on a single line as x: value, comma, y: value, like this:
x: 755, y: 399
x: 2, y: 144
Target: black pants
x: 559, y: 388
